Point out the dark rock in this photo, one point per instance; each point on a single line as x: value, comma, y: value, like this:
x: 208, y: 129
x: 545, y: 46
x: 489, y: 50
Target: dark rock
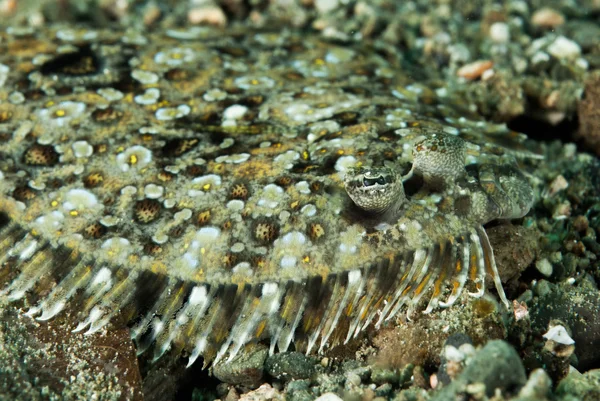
x: 290, y: 365
x: 246, y: 369
x: 497, y: 365
x: 586, y: 387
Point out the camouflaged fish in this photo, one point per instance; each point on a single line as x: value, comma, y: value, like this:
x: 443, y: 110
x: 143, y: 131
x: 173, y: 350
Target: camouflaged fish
x: 222, y: 189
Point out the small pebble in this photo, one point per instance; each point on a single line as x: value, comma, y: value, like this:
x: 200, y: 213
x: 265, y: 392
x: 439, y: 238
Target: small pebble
x: 544, y: 266
x: 475, y: 69
x: 547, y: 18
x: 329, y: 397
x: 499, y: 32
x: 210, y: 15
x: 563, y: 48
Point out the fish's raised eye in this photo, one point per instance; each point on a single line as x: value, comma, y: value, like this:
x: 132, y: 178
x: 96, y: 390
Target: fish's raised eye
x: 369, y: 182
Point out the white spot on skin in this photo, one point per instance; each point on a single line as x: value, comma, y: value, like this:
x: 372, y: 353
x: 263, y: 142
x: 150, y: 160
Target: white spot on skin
x: 79, y: 199
x: 247, y: 82
x: 205, y: 236
x: 213, y: 95
x: 82, y: 149
x: 117, y: 248
x: 110, y: 94
x: 233, y: 113
x: 351, y: 239
x: 109, y: 221
x: 174, y: 57
x: 287, y: 159
x: 233, y: 159
x: 150, y: 96
x: 235, y: 205
x: 198, y: 295
x: 293, y: 239
x: 354, y: 276
x: 71, y: 35
x: 172, y: 113
x: 303, y: 187
x: 4, y: 69
x: 144, y: 77
x: 60, y: 115
x: 204, y: 183
x: 28, y: 251
x: 103, y: 276
x: 309, y: 210
x: 160, y: 238
x: 136, y: 156
x: 272, y: 195
x: 153, y: 191
x: 238, y: 247
x: 182, y: 215
x: 49, y: 222
x: 242, y: 268
x: 288, y: 262
x: 344, y: 163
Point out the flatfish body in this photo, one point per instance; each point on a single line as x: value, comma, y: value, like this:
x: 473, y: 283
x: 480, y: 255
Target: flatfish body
x: 194, y: 182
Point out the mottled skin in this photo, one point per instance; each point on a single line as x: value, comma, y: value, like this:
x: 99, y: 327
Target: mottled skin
x: 201, y: 176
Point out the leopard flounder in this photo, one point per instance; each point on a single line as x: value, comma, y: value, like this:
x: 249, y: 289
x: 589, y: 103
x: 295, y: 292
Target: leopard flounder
x: 217, y: 189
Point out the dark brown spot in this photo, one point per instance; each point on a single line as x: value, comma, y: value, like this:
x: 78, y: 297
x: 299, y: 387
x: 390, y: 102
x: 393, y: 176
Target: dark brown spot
x: 107, y: 115
x: 24, y: 193
x: 165, y: 176
x: 177, y: 231
x: 177, y: 147
x: 316, y: 186
x: 195, y: 170
x: 316, y: 231
x: 203, y: 217
x: 40, y: 155
x: 5, y: 115
x: 253, y: 101
x: 152, y: 249
x: 100, y: 148
x: 230, y: 259
x: 147, y: 210
x: 177, y: 74
x: 284, y: 181
x: 94, y: 230
x: 93, y: 180
x: 265, y: 231
x: 239, y: 190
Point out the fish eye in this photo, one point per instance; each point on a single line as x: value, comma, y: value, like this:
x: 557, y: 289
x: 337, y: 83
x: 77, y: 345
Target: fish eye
x: 369, y: 182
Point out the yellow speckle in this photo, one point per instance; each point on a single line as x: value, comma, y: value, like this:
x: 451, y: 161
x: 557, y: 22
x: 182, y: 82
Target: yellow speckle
x: 60, y: 113
x: 34, y: 232
x: 202, y: 251
x: 206, y: 187
x: 340, y: 152
x: 306, y: 259
x: 305, y: 155
x: 319, y: 61
x: 133, y: 159
x: 74, y: 213
x: 54, y: 203
x: 50, y: 103
x: 176, y: 56
x: 254, y: 82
